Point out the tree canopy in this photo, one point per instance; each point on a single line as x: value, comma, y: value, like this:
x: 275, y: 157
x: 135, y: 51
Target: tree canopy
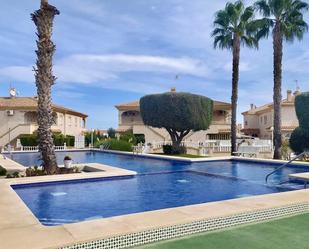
x: 178, y: 113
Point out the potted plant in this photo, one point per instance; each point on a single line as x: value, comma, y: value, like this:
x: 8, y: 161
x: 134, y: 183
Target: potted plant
x: 67, y: 162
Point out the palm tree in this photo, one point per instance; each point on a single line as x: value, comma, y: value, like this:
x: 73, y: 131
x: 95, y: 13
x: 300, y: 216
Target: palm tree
x: 234, y: 26
x: 285, y: 19
x: 43, y: 19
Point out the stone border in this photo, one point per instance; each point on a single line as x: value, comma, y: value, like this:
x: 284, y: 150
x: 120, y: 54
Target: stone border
x: 176, y: 231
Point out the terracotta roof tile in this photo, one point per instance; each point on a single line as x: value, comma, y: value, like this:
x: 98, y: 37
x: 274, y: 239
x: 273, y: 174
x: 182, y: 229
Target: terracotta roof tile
x: 7, y: 103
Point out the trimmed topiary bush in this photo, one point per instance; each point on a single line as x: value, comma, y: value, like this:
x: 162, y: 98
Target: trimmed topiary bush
x: 299, y: 140
x: 178, y: 113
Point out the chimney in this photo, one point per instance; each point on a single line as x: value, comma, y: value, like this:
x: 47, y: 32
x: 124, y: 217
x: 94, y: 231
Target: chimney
x: 289, y: 96
x: 297, y: 92
x: 173, y: 89
x: 252, y: 106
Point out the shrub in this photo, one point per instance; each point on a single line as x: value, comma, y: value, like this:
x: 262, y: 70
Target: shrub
x: 128, y: 137
x: 59, y: 139
x: 170, y: 150
x: 120, y: 145
x: 29, y: 140
x: 140, y: 138
x: 3, y: 171
x: 111, y: 133
x: 299, y: 140
x: 302, y: 110
x: 35, y: 171
x: 70, y: 140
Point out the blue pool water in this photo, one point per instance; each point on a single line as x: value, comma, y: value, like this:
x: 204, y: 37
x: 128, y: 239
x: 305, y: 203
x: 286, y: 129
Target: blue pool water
x: 159, y: 184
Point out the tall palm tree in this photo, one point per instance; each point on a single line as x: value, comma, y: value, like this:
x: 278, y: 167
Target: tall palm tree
x: 43, y: 19
x: 234, y: 26
x: 284, y: 18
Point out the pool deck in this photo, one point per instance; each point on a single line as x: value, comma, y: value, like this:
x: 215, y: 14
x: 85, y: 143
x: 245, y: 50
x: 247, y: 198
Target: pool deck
x: 10, y: 165
x: 20, y: 229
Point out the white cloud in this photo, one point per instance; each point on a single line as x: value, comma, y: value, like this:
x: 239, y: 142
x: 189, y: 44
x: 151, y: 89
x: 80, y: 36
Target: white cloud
x: 91, y: 69
x: 19, y: 73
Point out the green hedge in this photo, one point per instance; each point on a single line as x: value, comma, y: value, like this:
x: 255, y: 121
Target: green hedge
x: 120, y: 145
x: 29, y: 140
x: 59, y: 140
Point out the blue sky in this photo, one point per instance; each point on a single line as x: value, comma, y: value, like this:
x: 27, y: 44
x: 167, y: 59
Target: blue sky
x: 114, y: 51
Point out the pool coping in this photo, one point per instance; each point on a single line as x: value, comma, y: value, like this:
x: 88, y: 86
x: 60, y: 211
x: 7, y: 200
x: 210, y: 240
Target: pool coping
x: 17, y: 221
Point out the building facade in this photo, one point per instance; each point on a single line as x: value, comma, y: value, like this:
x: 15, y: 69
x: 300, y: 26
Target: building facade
x: 18, y: 116
x: 129, y: 118
x: 258, y: 121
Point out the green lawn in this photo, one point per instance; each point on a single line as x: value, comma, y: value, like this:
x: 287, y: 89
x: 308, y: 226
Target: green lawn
x: 288, y: 233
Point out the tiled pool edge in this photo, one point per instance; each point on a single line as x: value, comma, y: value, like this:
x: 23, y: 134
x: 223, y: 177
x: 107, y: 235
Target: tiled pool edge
x: 176, y: 231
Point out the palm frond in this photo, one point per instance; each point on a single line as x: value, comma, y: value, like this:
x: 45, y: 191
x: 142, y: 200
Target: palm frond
x: 263, y: 8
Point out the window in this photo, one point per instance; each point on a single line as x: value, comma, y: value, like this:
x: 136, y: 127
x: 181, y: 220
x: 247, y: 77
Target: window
x: 265, y: 120
x: 261, y: 120
x: 75, y: 121
x: 246, y: 122
x: 70, y: 120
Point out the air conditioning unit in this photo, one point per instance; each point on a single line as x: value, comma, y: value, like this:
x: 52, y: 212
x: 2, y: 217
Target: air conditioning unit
x: 10, y: 112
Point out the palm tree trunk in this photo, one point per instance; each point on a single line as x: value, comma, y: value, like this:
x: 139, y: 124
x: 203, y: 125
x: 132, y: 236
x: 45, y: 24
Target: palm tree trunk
x: 235, y: 79
x: 43, y: 19
x: 278, y: 47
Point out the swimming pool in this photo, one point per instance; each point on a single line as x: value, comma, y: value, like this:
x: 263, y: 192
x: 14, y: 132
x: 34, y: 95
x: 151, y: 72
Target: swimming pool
x: 160, y: 184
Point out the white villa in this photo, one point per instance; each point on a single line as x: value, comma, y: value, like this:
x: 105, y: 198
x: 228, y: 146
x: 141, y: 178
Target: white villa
x: 18, y: 116
x: 258, y: 121
x: 129, y: 118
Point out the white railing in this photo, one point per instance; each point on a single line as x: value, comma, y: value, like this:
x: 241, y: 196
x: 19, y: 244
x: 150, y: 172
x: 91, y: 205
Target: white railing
x: 29, y: 148
x: 217, y: 146
x: 36, y: 148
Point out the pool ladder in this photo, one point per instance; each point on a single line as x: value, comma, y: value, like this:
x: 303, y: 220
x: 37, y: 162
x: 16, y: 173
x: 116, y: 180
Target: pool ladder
x: 286, y: 164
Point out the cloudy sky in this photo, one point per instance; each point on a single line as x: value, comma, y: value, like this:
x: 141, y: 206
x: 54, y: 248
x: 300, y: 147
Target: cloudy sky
x: 114, y: 51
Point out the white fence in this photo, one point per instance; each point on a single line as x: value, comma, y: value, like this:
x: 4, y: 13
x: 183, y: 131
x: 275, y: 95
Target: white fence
x: 216, y: 146
x: 36, y: 148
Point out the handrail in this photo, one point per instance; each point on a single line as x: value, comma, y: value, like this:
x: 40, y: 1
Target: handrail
x: 289, y: 162
x: 13, y: 129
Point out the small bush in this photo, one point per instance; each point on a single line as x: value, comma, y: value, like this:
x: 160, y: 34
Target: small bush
x: 140, y: 138
x: 170, y: 150
x: 14, y: 175
x: 120, y: 145
x: 3, y: 171
x: 128, y: 137
x: 111, y: 133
